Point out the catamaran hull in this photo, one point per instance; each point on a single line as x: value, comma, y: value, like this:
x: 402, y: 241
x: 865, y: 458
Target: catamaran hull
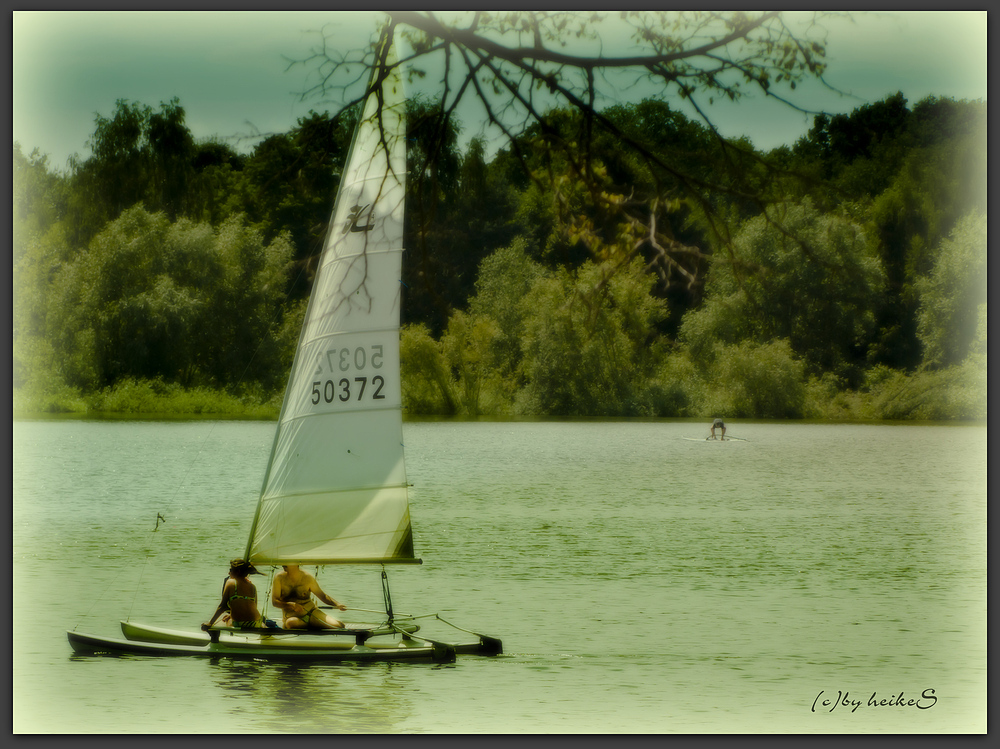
x: 259, y: 648
x: 147, y: 633
x: 150, y: 633
x: 483, y: 646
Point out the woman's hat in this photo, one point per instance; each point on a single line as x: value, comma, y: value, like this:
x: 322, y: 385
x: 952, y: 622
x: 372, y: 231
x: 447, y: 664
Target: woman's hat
x: 243, y: 567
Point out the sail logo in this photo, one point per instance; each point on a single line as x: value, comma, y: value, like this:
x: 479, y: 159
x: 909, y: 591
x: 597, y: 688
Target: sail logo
x: 355, y: 216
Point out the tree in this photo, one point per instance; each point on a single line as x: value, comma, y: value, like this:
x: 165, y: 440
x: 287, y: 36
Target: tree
x: 588, y: 353
x: 172, y: 152
x: 426, y: 383
x: 469, y: 348
x: 516, y: 67
x: 459, y: 210
x: 440, y: 261
x: 216, y: 189
x: 39, y: 196
x: 139, y: 156
x: 941, y: 178
x: 177, y: 301
x: 503, y: 282
x: 858, y: 153
x: 290, y: 180
x: 40, y: 248
x: 842, y: 138
x: 241, y: 337
x: 952, y: 312
x: 751, y: 380
x: 37, y: 260
x: 821, y: 296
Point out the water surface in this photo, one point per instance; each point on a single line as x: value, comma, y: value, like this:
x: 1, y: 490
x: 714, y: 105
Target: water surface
x: 640, y: 581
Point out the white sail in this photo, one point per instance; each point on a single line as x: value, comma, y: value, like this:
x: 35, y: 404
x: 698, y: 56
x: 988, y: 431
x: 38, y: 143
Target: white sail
x: 335, y: 487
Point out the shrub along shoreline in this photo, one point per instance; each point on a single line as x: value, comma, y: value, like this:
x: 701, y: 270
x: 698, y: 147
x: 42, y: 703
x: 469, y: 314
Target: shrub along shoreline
x: 137, y: 398
x: 955, y: 394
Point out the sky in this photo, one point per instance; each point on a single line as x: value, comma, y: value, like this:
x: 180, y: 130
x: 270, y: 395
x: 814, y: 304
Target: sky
x: 230, y: 70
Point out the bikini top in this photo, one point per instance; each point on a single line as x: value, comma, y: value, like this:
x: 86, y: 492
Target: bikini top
x: 241, y: 597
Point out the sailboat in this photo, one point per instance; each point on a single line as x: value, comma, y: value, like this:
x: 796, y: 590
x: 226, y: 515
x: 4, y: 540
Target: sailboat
x: 335, y: 488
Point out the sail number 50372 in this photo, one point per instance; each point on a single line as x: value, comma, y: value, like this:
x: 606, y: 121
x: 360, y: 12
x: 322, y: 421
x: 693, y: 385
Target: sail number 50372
x: 345, y: 388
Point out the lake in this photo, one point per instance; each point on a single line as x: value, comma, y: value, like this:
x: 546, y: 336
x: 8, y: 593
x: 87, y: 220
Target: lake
x: 809, y: 578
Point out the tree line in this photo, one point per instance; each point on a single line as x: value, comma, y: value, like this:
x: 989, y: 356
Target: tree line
x: 842, y: 276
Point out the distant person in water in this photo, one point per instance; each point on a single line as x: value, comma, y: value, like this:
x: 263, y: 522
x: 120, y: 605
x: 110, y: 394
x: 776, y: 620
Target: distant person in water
x: 239, y: 598
x: 292, y: 592
x: 719, y: 424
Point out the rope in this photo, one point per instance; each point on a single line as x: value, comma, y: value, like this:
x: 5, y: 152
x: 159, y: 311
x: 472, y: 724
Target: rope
x: 455, y: 626
x: 367, y: 611
x: 98, y: 599
x: 386, y: 596
x: 142, y: 569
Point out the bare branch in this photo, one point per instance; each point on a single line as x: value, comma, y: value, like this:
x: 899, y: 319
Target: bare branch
x: 518, y: 68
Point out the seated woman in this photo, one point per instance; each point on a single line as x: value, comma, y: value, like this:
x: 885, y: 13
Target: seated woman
x: 239, y: 598
x: 292, y: 592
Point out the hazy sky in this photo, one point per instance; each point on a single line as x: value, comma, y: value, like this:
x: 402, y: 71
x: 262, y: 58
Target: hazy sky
x: 227, y: 70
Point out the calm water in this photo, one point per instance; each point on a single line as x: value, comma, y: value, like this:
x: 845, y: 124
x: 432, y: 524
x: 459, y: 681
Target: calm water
x: 640, y: 582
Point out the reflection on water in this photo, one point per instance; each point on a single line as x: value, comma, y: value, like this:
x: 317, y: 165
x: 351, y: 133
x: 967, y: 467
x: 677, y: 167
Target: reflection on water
x: 307, y: 698
x: 640, y: 582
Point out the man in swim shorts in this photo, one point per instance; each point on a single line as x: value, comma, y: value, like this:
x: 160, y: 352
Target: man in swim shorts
x: 292, y: 592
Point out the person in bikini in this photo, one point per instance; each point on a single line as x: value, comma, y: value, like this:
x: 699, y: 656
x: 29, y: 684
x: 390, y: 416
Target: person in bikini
x: 239, y: 598
x: 292, y: 592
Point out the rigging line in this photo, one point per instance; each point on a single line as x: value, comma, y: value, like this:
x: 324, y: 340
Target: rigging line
x: 242, y: 378
x: 279, y: 309
x: 372, y: 611
x: 99, y: 598
x: 420, y: 616
x: 267, y: 595
x: 450, y: 624
x: 112, y: 488
x: 386, y: 596
x: 142, y: 569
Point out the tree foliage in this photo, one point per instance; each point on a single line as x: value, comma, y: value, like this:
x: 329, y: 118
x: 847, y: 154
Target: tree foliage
x: 815, y: 288
x: 288, y: 181
x: 951, y: 321
x: 752, y: 380
x: 605, y: 261
x: 151, y: 298
x: 517, y: 68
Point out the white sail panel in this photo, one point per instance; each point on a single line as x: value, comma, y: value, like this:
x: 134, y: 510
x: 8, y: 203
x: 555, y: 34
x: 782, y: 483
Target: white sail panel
x: 352, y: 299
x: 353, y: 446
x: 335, y: 489
x: 364, y: 517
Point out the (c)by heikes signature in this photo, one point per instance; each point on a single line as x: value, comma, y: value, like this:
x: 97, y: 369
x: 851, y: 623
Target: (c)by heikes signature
x: 830, y: 701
